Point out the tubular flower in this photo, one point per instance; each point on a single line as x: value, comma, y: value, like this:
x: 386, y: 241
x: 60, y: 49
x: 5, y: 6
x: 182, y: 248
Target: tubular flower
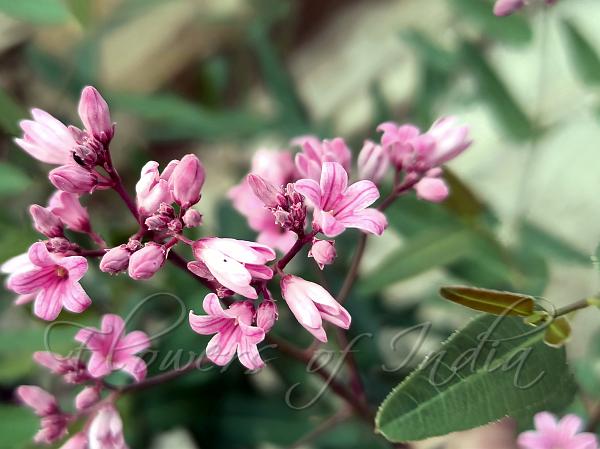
x: 54, y: 279
x: 234, y: 332
x: 339, y: 206
x: 112, y: 349
x: 53, y: 421
x: 233, y: 263
x: 315, y: 153
x: 311, y: 304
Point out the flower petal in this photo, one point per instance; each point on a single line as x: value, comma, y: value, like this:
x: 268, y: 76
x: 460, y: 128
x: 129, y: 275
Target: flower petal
x: 358, y: 196
x: 133, y: 342
x: 48, y: 303
x: 40, y: 256
x: 134, y: 366
x: 77, y: 266
x: 206, y: 324
x: 74, y: 298
x: 368, y: 220
x: 229, y: 272
x: 248, y: 355
x: 98, y: 365
x: 310, y: 189
x: 222, y: 347
x: 334, y: 180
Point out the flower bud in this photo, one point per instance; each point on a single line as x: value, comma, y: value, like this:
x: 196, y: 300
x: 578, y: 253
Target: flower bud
x: 192, y: 218
x: 73, y: 179
x: 67, y: 207
x: 87, y: 397
x: 507, y: 7
x: 144, y: 263
x: 45, y: 222
x: 42, y: 402
x: 157, y: 222
x: 373, y: 162
x: 186, y: 181
x: 106, y: 426
x: 323, y: 251
x: 94, y: 113
x: 115, y: 260
x: 264, y: 190
x: 266, y: 315
x: 432, y: 189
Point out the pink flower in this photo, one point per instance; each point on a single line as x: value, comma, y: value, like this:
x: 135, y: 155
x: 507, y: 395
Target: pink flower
x: 373, y: 162
x: 233, y: 263
x: 53, y: 421
x: 315, y: 153
x: 47, y: 139
x: 276, y: 167
x: 507, y: 7
x: 94, y: 113
x: 187, y: 180
x: 72, y: 369
x: 55, y: 280
x: 339, y: 206
x: 397, y: 141
x: 68, y: 209
x: 45, y: 222
x: 323, y: 251
x: 112, y: 349
x: 564, y: 434
x: 106, y: 430
x: 153, y: 187
x: 233, y: 329
x: 311, y: 304
x: 450, y: 139
x: 144, y: 264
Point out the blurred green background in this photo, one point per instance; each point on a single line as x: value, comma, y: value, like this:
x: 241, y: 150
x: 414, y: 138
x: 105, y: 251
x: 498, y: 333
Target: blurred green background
x: 221, y: 78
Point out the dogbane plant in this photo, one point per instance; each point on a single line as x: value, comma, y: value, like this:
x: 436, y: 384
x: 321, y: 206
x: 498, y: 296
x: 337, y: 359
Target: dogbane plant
x: 293, y: 201
x: 298, y: 202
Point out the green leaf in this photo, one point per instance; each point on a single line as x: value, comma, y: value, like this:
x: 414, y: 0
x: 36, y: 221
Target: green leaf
x: 494, y: 367
x: 584, y: 57
x: 493, y: 91
x: 538, y: 240
x: 12, y: 180
x: 277, y: 78
x: 511, y: 30
x: 174, y: 117
x: 490, y: 301
x: 430, y: 52
x: 42, y: 12
x: 17, y: 426
x: 430, y: 249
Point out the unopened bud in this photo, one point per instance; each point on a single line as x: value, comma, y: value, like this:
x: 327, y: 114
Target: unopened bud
x: 94, y: 113
x: 74, y: 179
x: 45, y: 221
x: 323, y: 251
x: 192, y: 218
x: 187, y: 180
x: 115, y: 260
x: 264, y: 190
x: 144, y: 263
x: 266, y: 315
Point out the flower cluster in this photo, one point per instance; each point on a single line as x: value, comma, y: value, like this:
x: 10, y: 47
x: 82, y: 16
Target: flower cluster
x: 291, y: 201
x: 111, y: 350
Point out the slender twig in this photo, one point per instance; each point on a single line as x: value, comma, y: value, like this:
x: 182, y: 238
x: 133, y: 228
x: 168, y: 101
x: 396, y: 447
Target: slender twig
x: 162, y: 378
x: 577, y: 305
x: 295, y: 249
x: 327, y: 425
x: 594, y: 420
